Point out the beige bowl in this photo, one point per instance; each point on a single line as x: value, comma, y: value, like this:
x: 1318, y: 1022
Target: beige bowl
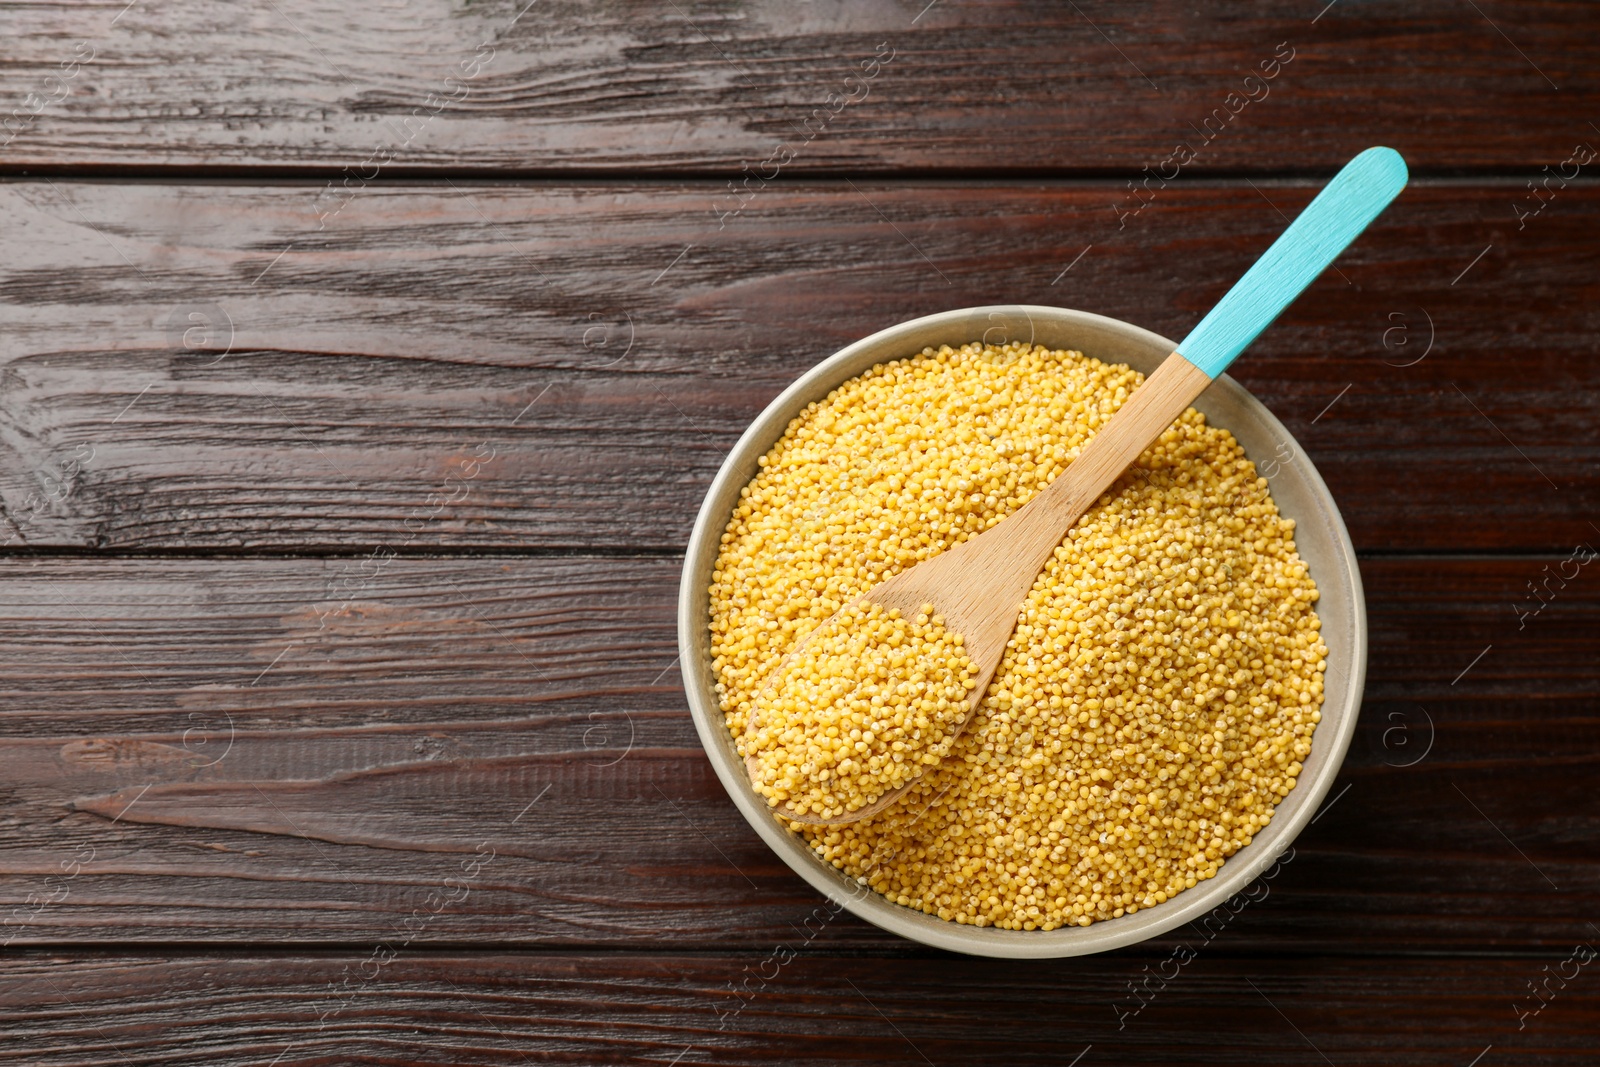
x: 1299, y: 492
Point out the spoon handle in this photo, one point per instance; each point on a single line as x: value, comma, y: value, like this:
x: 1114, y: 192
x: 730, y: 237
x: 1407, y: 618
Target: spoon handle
x: 1346, y: 205
x: 1355, y: 196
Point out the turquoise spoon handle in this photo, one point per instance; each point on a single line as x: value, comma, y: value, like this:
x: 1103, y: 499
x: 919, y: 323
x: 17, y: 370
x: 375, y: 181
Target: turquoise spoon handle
x: 1356, y: 196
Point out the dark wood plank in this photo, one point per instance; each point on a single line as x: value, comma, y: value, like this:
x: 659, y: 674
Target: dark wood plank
x: 199, y: 366
x: 792, y: 1003
x: 1021, y: 87
x: 225, y: 750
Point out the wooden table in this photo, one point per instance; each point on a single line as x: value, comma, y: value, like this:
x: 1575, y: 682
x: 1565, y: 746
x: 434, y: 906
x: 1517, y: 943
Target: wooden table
x: 364, y: 365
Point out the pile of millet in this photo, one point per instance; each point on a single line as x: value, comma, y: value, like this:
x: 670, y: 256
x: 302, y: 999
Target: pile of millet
x: 871, y: 700
x: 1159, y: 694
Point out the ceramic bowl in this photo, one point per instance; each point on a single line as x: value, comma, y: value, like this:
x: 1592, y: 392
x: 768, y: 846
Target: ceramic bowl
x: 1300, y: 494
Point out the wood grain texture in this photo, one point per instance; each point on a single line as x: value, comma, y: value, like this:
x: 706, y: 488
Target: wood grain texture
x: 1019, y: 87
x: 789, y: 1003
x: 449, y: 751
x: 467, y: 366
x: 373, y: 800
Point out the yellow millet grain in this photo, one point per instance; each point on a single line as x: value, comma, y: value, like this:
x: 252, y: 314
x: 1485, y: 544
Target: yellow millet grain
x: 1161, y: 689
x: 871, y: 701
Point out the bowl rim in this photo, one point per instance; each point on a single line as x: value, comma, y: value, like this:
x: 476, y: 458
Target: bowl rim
x: 1237, y: 873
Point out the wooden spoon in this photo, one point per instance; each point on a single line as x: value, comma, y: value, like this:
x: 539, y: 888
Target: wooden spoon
x: 980, y: 584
